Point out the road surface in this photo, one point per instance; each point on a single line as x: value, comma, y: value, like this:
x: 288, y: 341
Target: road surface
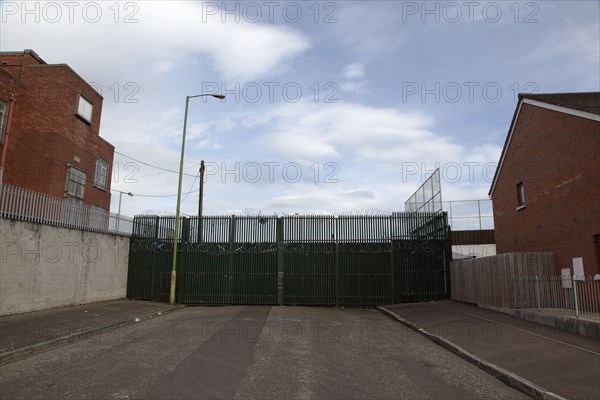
x: 253, y: 352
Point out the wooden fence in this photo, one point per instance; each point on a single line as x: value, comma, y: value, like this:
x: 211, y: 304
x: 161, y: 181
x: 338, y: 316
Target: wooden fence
x: 488, y: 280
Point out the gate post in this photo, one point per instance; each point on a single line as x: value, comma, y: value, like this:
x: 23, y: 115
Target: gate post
x: 232, y: 222
x: 447, y: 256
x: 154, y: 256
x: 337, y: 259
x: 280, y: 259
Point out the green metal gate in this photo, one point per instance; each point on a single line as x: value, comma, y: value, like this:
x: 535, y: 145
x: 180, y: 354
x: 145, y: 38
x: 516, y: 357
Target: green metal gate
x: 303, y: 260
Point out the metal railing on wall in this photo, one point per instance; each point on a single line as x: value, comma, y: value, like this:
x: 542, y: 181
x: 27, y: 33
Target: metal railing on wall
x: 21, y: 204
x: 469, y: 214
x: 579, y: 296
x: 298, y: 228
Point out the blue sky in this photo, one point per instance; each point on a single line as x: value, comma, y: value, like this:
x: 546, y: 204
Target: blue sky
x: 332, y: 107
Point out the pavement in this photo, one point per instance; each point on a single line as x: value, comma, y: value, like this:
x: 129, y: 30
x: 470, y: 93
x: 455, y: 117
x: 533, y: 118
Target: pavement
x: 539, y: 360
x: 24, y: 334
x: 241, y: 344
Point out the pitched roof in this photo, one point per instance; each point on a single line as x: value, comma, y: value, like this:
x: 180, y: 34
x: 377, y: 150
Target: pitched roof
x: 585, y: 101
x: 583, y: 104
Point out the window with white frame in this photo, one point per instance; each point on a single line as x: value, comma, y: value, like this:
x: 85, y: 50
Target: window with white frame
x: 101, y: 175
x: 84, y: 109
x: 520, y: 195
x: 75, y: 182
x: 3, y: 116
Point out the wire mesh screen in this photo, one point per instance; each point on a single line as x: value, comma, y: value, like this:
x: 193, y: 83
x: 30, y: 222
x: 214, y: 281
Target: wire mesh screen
x: 428, y: 197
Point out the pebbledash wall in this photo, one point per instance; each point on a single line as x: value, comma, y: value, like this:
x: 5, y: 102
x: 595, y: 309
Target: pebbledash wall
x: 43, y: 266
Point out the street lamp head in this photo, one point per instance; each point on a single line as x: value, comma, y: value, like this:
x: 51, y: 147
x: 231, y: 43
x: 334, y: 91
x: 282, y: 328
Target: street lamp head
x: 215, y: 95
x: 129, y: 194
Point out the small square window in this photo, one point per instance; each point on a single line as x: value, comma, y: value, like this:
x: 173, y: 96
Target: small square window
x: 84, y: 109
x: 101, y: 175
x: 520, y: 195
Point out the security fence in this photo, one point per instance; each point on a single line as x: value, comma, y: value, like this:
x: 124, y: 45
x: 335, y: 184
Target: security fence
x: 469, y: 214
x: 309, y: 260
x: 27, y: 205
x: 569, y: 294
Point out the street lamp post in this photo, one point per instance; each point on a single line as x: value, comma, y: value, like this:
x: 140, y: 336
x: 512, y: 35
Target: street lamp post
x: 176, y: 233
x: 119, y: 210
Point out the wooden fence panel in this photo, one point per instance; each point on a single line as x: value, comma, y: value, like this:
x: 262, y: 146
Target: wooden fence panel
x: 488, y: 280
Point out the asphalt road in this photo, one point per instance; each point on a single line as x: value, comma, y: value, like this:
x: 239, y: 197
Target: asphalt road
x: 253, y: 352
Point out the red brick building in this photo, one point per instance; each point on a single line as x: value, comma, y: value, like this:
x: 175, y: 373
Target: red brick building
x: 54, y: 146
x: 546, y: 191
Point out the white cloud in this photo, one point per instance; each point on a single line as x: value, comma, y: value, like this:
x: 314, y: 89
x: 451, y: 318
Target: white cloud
x: 354, y: 87
x: 575, y: 43
x: 238, y: 51
x: 354, y: 70
x: 225, y: 125
x: 163, y: 66
x: 310, y: 131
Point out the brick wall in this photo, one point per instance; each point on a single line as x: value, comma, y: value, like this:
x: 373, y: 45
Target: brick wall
x: 556, y: 156
x: 46, y: 135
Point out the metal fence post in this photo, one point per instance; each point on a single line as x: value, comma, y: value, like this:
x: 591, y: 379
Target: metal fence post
x: 337, y: 260
x: 280, y: 259
x: 575, y: 296
x: 232, y: 228
x: 153, y: 264
x: 537, y: 293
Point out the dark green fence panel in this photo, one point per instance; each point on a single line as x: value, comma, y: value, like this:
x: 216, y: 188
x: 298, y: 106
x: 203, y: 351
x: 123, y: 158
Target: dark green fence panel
x: 253, y: 274
x: 309, y: 274
x: 149, y: 270
x: 162, y: 273
x: 205, y: 274
x: 365, y: 274
x: 304, y: 260
x: 139, y: 272
x: 420, y: 270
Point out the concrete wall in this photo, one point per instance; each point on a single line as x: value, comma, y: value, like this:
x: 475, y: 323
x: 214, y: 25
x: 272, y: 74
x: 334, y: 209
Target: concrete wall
x: 43, y: 266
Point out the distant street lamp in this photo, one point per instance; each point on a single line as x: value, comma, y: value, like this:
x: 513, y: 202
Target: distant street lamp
x: 119, y: 210
x: 176, y: 233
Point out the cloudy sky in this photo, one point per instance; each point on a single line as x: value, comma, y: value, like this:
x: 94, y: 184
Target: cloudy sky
x: 332, y: 106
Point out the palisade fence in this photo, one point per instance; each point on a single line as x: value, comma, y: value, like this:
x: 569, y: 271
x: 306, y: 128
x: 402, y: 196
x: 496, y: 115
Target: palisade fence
x: 310, y: 260
x: 26, y: 205
x: 579, y: 296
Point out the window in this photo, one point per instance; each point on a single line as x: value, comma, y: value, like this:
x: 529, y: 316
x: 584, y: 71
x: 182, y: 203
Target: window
x: 75, y: 182
x: 84, y: 109
x: 520, y: 195
x: 3, y: 116
x: 101, y: 176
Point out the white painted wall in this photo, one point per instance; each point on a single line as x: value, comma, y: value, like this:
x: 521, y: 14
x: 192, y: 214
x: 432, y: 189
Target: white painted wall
x: 43, y: 266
